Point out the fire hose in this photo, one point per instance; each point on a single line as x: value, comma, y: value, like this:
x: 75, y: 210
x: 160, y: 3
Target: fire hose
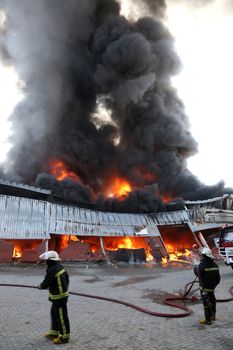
x: 168, y: 300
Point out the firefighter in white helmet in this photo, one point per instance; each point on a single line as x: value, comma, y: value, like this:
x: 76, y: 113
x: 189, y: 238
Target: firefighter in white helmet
x: 209, y: 277
x: 57, y: 281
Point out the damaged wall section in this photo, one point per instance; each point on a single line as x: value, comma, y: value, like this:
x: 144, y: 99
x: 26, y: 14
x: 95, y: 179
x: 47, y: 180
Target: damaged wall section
x: 78, y: 233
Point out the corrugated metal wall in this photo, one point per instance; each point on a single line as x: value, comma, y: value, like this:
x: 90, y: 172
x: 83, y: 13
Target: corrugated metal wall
x: 66, y: 219
x: 25, y: 218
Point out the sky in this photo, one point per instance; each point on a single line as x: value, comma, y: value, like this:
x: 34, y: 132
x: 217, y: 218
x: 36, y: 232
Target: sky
x: 10, y: 95
x: 204, y: 44
x: 203, y: 39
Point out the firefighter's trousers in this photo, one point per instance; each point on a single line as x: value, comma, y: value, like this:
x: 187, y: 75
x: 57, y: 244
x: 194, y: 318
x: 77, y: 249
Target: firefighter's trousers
x: 209, y: 303
x: 59, y: 318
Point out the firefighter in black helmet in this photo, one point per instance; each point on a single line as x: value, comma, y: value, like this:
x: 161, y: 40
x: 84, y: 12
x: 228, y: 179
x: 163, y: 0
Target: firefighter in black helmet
x: 209, y: 277
x: 57, y: 281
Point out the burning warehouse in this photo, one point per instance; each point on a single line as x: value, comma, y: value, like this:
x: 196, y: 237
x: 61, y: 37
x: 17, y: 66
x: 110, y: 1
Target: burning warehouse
x: 99, y: 124
x: 29, y: 225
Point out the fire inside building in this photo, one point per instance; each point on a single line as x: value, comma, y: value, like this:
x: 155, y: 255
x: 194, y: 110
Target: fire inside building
x: 102, y: 135
x: 31, y: 221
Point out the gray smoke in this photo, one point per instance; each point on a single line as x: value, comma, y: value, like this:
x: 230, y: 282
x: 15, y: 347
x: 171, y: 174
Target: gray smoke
x: 73, y: 54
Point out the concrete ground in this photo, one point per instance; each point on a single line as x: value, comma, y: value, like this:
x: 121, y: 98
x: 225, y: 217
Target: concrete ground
x: 103, y: 325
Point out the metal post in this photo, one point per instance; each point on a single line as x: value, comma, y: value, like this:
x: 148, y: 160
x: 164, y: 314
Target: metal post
x: 102, y: 246
x: 46, y: 245
x: 103, y: 250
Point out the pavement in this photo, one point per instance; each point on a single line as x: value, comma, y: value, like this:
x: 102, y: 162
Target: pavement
x: 104, y: 325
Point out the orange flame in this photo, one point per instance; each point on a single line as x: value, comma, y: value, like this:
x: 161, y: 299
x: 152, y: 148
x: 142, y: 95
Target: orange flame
x: 59, y: 170
x: 74, y: 238
x: 17, y: 252
x: 93, y: 242
x: 21, y: 244
x: 61, y: 242
x: 118, y: 187
x: 176, y: 255
x: 115, y: 243
x: 179, y: 242
x: 149, y: 256
x: 166, y: 198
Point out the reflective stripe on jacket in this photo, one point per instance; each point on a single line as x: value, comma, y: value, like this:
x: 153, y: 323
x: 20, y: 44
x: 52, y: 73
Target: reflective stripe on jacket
x: 57, y: 281
x: 209, y: 276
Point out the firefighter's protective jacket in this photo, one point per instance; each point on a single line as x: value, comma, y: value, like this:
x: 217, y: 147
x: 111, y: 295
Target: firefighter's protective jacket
x: 208, y: 273
x: 57, y: 281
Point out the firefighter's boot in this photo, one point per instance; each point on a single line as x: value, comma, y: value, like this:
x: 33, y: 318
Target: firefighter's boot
x: 51, y: 334
x: 60, y: 340
x: 213, y: 316
x: 213, y: 313
x: 207, y: 320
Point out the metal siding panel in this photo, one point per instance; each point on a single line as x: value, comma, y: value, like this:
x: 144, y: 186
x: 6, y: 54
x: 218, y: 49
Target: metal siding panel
x: 117, y: 219
x: 82, y: 217
x: 105, y: 217
x: 153, y: 231
x: 151, y: 219
x: 93, y: 217
x: 23, y: 218
x: 111, y: 219
x: 103, y: 230
x: 87, y: 216
x: 24, y: 186
x: 129, y: 231
x: 162, y: 219
x: 184, y: 216
x: 130, y: 219
x: 171, y: 218
x: 124, y: 219
x: 144, y: 219
x: 137, y: 219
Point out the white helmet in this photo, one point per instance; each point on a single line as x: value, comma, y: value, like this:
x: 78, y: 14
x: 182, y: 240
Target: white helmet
x: 207, y: 252
x: 50, y: 255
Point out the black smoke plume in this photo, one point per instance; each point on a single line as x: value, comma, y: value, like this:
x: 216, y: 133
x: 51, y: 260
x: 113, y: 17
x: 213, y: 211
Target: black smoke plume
x: 75, y: 56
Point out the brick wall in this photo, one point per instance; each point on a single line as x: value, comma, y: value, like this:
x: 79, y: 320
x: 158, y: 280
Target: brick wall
x: 75, y: 251
x: 71, y: 251
x: 6, y: 251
